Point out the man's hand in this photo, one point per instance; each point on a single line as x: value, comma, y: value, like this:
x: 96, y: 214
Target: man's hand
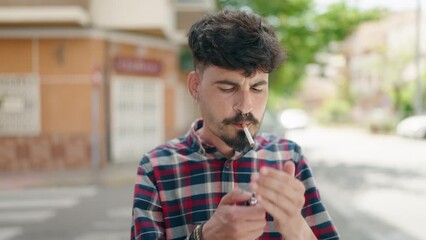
x: 283, y: 197
x: 232, y: 221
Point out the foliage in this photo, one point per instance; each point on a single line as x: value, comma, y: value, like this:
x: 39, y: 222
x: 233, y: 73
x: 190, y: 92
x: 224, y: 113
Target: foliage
x: 384, y: 127
x: 185, y: 60
x: 337, y: 109
x: 392, y: 63
x: 334, y: 110
x: 406, y: 96
x: 340, y: 20
x: 303, y: 32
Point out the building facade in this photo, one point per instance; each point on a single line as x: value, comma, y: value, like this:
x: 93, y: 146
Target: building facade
x: 381, y: 61
x: 84, y: 83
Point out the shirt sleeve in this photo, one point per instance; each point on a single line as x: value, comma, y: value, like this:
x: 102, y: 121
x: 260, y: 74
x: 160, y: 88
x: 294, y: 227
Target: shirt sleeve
x: 147, y: 221
x: 314, y: 210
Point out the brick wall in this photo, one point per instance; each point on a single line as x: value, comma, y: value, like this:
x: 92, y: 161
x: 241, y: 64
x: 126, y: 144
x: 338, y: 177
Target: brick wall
x: 45, y: 152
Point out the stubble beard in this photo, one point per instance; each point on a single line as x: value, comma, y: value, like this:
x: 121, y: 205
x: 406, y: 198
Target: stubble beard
x: 239, y: 141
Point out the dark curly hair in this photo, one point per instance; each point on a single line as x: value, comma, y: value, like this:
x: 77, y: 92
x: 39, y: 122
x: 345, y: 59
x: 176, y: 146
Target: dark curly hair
x: 235, y: 40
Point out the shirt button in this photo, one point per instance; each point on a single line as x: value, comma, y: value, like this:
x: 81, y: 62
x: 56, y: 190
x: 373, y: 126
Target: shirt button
x: 226, y: 165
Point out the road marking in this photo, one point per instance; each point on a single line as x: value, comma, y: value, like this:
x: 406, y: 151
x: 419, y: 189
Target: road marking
x: 39, y: 203
x: 49, y: 192
x: 26, y: 216
x: 9, y: 233
x: 118, y: 225
x: 120, y: 212
x: 118, y: 218
x: 20, y: 207
x: 116, y: 235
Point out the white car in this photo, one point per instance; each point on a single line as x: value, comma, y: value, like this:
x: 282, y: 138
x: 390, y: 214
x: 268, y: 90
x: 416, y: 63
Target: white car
x: 413, y: 127
x: 271, y: 124
x: 294, y: 118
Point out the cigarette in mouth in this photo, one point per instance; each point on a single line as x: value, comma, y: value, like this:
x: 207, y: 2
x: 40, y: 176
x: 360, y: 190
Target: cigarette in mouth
x: 249, y: 137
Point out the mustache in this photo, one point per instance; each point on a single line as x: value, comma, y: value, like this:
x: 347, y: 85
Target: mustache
x: 241, y: 118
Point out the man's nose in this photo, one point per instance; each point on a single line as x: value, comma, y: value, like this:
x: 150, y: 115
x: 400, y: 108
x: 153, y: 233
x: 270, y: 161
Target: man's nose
x: 243, y: 103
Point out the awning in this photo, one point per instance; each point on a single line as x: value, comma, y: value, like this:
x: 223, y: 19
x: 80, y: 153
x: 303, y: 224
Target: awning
x: 44, y: 15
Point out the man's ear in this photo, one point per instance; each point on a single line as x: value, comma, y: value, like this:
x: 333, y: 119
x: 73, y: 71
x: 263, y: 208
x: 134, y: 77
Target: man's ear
x: 194, y: 84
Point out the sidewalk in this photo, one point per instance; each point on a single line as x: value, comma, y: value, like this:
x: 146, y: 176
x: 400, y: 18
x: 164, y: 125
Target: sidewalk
x: 112, y: 174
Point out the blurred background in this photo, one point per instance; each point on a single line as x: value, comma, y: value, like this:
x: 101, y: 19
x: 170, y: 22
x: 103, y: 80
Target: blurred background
x: 88, y: 86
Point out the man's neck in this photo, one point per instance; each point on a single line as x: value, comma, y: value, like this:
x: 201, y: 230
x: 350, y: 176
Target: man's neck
x: 211, y: 139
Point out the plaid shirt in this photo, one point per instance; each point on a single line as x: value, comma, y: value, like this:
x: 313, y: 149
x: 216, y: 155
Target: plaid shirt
x: 180, y: 184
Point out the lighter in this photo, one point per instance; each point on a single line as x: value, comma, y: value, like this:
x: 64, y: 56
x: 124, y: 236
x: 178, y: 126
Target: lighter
x: 252, y: 201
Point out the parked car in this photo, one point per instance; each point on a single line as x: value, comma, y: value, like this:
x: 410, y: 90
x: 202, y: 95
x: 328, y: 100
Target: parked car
x: 294, y: 118
x: 412, y: 127
x: 272, y: 124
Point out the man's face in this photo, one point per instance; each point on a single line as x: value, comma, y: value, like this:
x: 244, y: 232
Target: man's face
x: 228, y: 101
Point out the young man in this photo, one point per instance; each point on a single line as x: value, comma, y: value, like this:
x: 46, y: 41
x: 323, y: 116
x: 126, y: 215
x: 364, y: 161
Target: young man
x: 196, y: 186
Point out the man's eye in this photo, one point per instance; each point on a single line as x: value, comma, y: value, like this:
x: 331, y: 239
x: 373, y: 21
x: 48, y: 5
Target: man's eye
x: 227, y: 89
x: 257, y: 90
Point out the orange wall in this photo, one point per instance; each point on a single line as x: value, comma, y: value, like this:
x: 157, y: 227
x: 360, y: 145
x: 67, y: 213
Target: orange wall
x: 70, y: 56
x: 66, y: 108
x: 66, y: 68
x: 169, y: 114
x: 15, y: 55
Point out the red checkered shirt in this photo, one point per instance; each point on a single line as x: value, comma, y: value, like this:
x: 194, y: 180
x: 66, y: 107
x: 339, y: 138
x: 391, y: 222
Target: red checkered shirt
x: 180, y: 184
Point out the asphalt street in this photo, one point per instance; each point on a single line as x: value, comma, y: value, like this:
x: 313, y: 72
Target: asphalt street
x: 66, y: 213
x: 374, y: 185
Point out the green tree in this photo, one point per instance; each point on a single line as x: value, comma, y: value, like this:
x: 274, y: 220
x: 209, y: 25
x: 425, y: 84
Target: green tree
x: 303, y: 32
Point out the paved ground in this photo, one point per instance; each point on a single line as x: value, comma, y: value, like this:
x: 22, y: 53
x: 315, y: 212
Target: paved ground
x: 67, y: 205
x: 66, y: 213
x: 376, y: 184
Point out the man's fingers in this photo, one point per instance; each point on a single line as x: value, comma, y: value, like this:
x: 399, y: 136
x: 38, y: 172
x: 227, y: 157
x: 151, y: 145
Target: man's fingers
x: 278, y: 189
x: 235, y: 196
x: 289, y: 168
x: 275, y: 179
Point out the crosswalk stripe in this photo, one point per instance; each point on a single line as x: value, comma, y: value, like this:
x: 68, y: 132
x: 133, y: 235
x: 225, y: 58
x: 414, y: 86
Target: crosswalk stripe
x: 50, y: 192
x: 36, y: 205
x: 123, y: 212
x: 116, y: 235
x: 118, y: 218
x: 112, y: 225
x: 26, y: 216
x: 39, y: 203
x: 9, y: 233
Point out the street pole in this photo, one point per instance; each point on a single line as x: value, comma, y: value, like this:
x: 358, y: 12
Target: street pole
x: 95, y: 149
x: 419, y: 91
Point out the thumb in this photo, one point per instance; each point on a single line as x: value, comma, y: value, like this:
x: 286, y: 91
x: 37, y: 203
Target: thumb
x: 289, y: 167
x: 235, y: 196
